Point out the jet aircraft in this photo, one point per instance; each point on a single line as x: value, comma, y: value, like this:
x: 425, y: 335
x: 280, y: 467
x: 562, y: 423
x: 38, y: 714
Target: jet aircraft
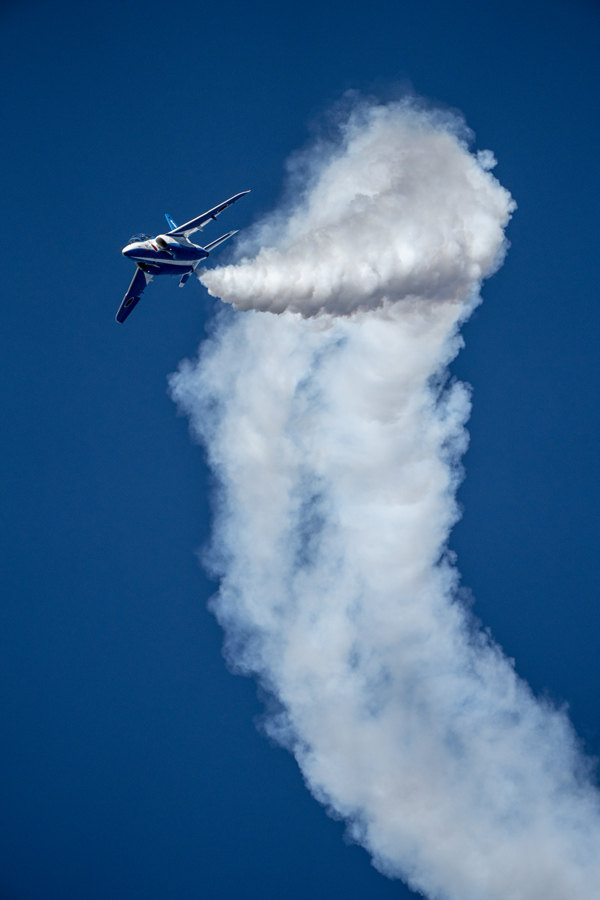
x: 171, y: 253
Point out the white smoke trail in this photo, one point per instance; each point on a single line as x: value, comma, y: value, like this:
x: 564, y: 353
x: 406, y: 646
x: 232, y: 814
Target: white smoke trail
x: 399, y: 209
x: 337, y: 448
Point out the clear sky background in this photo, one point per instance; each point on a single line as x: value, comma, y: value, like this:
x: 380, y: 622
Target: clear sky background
x: 131, y: 762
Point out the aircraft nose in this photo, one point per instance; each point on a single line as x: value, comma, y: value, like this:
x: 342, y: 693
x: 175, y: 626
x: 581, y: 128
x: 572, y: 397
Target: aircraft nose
x: 126, y: 251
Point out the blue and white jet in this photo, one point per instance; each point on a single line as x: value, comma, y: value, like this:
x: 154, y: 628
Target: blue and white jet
x: 171, y: 253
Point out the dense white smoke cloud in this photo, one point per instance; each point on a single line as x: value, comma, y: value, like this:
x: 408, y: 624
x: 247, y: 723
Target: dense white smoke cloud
x: 336, y: 442
x: 397, y: 209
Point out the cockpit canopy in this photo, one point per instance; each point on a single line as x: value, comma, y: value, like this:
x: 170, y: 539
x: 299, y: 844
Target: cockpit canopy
x: 139, y: 237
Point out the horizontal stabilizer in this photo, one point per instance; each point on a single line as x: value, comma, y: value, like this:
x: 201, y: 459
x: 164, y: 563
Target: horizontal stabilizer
x: 218, y: 241
x: 170, y: 221
x: 199, y: 222
x: 134, y: 294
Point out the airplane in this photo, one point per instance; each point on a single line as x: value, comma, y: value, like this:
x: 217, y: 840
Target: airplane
x: 171, y: 253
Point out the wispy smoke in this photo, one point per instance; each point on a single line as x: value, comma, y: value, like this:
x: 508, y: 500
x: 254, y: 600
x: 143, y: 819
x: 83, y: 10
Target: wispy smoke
x: 336, y: 441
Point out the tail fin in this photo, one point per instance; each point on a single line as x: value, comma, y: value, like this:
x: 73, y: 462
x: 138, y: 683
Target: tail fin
x: 218, y: 241
x: 172, y: 224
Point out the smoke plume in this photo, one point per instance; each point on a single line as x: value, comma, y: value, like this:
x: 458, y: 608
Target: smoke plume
x: 336, y: 440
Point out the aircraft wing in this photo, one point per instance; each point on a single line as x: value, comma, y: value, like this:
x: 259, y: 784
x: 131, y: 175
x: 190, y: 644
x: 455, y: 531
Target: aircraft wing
x: 134, y: 294
x: 218, y: 241
x: 199, y: 223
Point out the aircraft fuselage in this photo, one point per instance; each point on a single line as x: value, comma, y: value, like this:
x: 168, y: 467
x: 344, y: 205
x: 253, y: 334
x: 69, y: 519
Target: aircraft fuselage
x: 164, y: 256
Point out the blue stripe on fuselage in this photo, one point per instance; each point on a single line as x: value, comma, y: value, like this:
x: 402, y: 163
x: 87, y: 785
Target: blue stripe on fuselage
x: 160, y: 268
x: 176, y: 252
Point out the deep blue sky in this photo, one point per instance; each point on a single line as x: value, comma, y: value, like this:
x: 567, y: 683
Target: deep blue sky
x: 131, y: 765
